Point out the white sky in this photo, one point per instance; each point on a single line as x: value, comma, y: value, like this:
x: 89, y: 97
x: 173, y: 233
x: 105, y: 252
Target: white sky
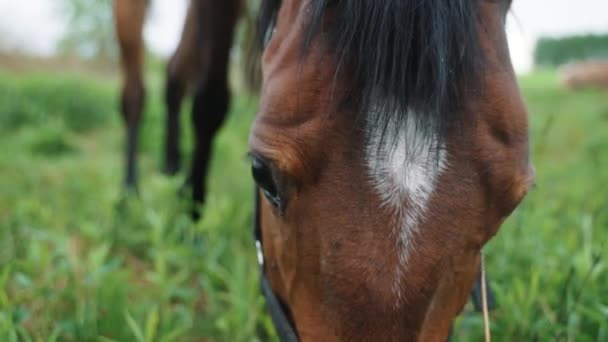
x: 36, y: 25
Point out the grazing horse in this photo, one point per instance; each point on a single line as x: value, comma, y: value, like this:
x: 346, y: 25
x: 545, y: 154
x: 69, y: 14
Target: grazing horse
x: 200, y: 64
x: 391, y: 143
x: 586, y: 74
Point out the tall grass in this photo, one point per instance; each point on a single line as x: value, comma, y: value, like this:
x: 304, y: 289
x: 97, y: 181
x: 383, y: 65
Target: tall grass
x: 80, y: 262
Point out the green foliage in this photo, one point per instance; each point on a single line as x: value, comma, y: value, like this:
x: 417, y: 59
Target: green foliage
x: 51, y: 141
x: 75, y: 101
x: 81, y: 262
x: 90, y: 30
x: 553, y: 52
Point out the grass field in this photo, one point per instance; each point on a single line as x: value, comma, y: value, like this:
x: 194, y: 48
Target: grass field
x: 80, y: 262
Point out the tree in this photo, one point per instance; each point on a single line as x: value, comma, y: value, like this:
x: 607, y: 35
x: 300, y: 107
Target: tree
x: 90, y: 30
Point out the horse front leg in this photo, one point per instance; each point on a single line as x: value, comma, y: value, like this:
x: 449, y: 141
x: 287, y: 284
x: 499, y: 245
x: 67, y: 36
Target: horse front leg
x: 129, y: 16
x: 174, y: 93
x: 132, y: 107
x: 209, y: 110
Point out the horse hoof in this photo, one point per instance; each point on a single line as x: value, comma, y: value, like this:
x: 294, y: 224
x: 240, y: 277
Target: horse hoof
x: 185, y: 191
x: 130, y: 189
x: 195, y: 214
x: 171, y: 168
x: 196, y: 209
x: 125, y: 199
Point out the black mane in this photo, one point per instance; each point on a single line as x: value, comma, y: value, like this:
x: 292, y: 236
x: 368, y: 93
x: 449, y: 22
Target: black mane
x: 402, y: 57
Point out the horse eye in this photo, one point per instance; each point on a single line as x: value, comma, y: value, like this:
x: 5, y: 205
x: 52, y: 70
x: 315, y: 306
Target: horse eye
x: 263, y: 176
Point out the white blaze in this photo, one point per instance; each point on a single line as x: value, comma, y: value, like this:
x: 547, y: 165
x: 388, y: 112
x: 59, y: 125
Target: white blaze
x: 404, y: 166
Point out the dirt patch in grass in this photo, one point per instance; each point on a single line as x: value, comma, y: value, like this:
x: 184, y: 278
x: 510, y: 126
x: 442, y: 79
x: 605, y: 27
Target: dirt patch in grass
x: 21, y: 63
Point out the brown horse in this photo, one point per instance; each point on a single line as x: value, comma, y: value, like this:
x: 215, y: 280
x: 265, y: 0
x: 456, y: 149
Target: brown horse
x: 200, y: 64
x: 390, y: 144
x: 587, y: 74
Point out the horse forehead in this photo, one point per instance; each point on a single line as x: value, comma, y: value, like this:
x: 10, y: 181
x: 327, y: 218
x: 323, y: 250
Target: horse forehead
x: 285, y: 37
x: 292, y: 121
x: 299, y: 88
x: 284, y: 59
x: 290, y: 75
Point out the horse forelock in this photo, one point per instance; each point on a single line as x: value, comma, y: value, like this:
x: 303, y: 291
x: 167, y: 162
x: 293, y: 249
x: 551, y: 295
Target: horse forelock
x: 400, y: 58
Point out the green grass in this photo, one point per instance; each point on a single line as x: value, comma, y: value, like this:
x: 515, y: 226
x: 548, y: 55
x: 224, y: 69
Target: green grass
x: 80, y: 262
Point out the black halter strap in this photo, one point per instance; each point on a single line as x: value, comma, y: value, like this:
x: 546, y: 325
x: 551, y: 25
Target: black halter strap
x: 283, y: 325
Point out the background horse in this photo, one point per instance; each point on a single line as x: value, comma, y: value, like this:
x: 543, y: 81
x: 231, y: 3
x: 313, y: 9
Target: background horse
x: 200, y: 63
x: 593, y: 73
x: 390, y: 145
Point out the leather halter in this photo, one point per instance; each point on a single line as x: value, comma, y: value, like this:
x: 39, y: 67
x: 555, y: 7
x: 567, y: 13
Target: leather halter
x: 281, y: 320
